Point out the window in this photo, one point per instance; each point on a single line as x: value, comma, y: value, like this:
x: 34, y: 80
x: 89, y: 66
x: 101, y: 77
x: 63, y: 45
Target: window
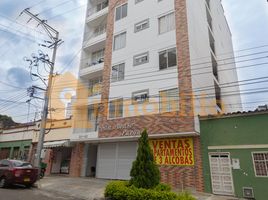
x: 167, y: 58
x: 260, y: 160
x: 120, y: 41
x: 99, y: 30
x: 166, y: 23
x: 141, y: 25
x: 169, y: 100
x: 102, y: 5
x: 138, y: 1
x: 95, y: 86
x: 141, y: 59
x: 93, y: 111
x: 97, y: 57
x: 140, y: 96
x: 4, y: 163
x: 121, y: 12
x: 116, y: 108
x: 118, y: 72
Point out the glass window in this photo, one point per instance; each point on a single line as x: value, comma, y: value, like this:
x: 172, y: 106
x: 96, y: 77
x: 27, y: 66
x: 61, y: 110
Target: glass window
x: 138, y: 1
x: 118, y: 72
x: 141, y: 59
x: 167, y: 58
x: 4, y: 163
x: 120, y: 41
x: 121, y: 12
x: 95, y: 86
x: 166, y: 23
x: 116, y: 108
x: 169, y: 100
x: 260, y: 160
x: 141, y: 25
x: 140, y: 96
x: 97, y: 57
x: 93, y: 111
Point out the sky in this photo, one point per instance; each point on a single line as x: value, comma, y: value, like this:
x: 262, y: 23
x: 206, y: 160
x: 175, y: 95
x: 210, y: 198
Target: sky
x: 248, y: 21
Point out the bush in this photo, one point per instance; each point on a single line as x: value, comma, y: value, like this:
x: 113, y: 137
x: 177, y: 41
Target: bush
x: 121, y: 190
x: 144, y: 172
x: 163, y: 187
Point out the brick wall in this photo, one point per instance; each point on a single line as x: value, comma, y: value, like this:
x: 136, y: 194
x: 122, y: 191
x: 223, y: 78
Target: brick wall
x: 76, y: 160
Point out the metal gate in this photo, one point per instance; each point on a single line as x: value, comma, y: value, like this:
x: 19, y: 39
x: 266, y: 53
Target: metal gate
x: 221, y: 173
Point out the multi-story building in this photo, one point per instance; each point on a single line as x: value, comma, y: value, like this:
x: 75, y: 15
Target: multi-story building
x: 157, y: 65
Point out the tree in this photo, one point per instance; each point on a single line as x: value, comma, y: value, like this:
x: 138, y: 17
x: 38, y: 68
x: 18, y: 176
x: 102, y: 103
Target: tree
x: 6, y: 121
x: 144, y: 172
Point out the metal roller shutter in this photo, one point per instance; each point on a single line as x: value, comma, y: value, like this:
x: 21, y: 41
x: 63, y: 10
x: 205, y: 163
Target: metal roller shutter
x: 106, y: 165
x: 115, y: 160
x: 126, y: 155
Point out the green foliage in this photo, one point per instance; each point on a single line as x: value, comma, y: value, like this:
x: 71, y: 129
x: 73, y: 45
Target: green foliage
x: 144, y: 172
x: 6, y: 121
x: 185, y: 196
x: 121, y: 190
x: 163, y: 187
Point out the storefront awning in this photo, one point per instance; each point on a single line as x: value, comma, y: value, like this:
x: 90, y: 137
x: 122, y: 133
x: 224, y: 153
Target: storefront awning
x: 62, y: 143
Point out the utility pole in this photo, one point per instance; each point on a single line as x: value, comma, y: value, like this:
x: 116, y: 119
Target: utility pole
x: 55, y: 42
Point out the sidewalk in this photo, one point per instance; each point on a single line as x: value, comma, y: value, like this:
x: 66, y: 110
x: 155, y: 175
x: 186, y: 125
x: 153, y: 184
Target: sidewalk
x: 80, y: 188
x: 93, y: 189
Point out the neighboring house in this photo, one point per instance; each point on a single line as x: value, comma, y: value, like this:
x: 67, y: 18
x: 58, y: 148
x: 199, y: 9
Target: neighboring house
x: 235, y: 154
x: 57, y: 151
x: 15, y: 142
x: 150, y: 64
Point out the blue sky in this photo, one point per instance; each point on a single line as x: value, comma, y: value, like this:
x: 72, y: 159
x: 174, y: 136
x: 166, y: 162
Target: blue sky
x: 248, y: 20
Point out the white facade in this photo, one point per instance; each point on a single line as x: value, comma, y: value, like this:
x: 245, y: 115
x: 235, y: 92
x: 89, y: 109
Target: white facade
x: 206, y: 23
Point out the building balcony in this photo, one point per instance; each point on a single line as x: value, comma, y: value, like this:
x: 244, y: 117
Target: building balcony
x: 95, y: 13
x: 88, y: 69
x: 95, y: 41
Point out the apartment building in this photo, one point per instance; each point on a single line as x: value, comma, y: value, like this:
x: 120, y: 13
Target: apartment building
x: 154, y: 64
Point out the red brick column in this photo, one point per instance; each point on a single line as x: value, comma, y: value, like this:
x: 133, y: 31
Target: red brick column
x: 76, y: 160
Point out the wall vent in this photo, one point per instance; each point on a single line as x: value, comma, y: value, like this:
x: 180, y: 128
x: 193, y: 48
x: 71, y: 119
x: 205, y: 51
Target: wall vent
x: 248, y: 193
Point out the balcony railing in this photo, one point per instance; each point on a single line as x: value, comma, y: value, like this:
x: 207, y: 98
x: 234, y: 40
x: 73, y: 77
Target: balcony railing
x: 97, y: 8
x: 90, y: 63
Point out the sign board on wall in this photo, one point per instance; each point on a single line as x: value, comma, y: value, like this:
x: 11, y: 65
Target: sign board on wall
x: 178, y: 151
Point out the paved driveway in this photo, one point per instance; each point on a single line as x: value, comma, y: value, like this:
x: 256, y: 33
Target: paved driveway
x: 82, y: 188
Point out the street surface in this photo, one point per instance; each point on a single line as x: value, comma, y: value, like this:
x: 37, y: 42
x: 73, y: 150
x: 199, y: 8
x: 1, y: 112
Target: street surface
x: 21, y: 193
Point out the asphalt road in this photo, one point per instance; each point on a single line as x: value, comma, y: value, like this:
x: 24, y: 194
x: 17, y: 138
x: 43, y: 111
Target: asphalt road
x: 21, y: 193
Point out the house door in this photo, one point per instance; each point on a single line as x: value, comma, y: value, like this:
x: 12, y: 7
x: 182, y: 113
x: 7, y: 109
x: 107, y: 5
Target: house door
x: 221, y: 174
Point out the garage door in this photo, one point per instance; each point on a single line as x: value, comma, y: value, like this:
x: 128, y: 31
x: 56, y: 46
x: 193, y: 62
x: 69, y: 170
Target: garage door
x: 115, y: 160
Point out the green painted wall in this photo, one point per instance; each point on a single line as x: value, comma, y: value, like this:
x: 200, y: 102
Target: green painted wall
x: 242, y: 130
x: 12, y: 145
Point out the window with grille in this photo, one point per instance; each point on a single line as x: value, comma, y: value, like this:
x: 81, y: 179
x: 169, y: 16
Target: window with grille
x: 141, y: 59
x: 118, y: 72
x: 121, y: 12
x: 260, y: 160
x: 169, y: 100
x: 141, y: 25
x: 167, y: 58
x: 166, y: 23
x: 140, y: 96
x: 116, y: 108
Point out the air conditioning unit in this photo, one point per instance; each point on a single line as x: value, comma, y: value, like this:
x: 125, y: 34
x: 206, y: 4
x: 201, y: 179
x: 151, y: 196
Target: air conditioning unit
x: 248, y: 193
